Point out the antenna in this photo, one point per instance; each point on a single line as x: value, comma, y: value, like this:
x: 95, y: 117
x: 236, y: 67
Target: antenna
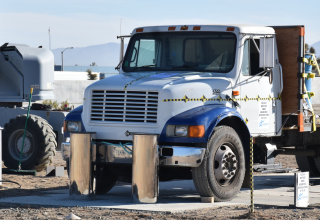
x: 120, y: 25
x: 49, y: 39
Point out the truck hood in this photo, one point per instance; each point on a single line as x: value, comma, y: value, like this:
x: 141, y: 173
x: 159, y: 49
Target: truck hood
x: 156, y: 80
x: 177, y: 93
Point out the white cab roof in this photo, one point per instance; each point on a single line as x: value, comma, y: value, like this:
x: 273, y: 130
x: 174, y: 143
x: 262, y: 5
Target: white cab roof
x: 243, y: 29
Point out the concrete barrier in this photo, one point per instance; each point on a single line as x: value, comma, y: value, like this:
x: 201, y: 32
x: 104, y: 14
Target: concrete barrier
x: 71, y: 90
x: 66, y: 75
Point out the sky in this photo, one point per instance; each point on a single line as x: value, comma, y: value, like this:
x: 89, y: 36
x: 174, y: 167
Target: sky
x: 80, y: 23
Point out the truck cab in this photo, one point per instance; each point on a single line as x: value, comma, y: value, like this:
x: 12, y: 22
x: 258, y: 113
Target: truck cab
x: 205, y: 90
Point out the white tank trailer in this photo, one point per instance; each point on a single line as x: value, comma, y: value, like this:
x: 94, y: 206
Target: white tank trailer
x: 23, y: 67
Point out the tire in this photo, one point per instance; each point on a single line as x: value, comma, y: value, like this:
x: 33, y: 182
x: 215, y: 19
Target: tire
x: 105, y: 179
x: 209, y: 179
x: 310, y: 164
x: 39, y: 147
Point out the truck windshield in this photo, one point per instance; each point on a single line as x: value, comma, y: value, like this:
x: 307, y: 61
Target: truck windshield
x: 183, y: 51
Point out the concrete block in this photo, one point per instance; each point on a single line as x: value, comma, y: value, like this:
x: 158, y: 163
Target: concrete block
x: 49, y: 169
x: 59, y: 171
x: 207, y: 199
x: 55, y: 171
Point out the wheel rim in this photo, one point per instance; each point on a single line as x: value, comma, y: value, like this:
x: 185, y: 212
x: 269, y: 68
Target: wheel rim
x: 15, y: 143
x: 225, y: 164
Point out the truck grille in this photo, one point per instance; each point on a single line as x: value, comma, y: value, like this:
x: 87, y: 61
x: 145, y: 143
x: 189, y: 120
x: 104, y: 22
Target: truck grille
x: 124, y: 106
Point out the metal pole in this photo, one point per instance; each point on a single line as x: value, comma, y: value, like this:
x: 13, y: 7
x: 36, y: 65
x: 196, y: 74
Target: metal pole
x: 121, y: 48
x: 62, y: 61
x: 80, y: 164
x: 145, y: 163
x: 251, y: 173
x: 1, y: 154
x: 49, y: 39
x: 62, y: 56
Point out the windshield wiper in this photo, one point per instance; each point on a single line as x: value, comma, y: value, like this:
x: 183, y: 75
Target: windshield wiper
x: 145, y: 66
x: 184, y: 66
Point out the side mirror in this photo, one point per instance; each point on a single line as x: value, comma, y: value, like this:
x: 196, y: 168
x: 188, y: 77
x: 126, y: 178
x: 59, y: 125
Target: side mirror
x: 266, y: 58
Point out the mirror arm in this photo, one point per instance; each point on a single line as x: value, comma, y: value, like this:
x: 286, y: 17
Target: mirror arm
x: 258, y: 74
x: 255, y: 44
x: 267, y: 71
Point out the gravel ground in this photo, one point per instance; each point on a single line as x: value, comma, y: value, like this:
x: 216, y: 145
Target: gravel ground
x: 31, y: 185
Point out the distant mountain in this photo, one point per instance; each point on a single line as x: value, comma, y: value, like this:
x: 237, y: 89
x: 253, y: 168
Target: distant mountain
x: 103, y: 55
x: 316, y: 46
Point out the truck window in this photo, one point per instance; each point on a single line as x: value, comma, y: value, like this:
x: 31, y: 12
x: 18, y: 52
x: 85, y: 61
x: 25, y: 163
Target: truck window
x: 245, y: 67
x: 250, y: 62
x: 181, y: 51
x: 144, y: 53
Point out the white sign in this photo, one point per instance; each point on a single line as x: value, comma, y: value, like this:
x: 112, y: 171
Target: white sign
x: 301, y: 189
x: 263, y: 114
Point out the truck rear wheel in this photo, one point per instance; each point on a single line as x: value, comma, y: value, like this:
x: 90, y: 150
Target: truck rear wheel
x: 222, y: 170
x: 105, y: 179
x: 39, y: 146
x: 310, y: 164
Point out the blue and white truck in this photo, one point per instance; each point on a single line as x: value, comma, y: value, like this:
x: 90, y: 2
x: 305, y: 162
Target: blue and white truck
x: 206, y: 90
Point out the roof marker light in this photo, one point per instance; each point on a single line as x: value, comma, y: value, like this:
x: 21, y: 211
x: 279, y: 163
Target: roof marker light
x: 139, y: 30
x: 230, y: 29
x: 196, y: 28
x: 171, y: 28
x: 184, y: 28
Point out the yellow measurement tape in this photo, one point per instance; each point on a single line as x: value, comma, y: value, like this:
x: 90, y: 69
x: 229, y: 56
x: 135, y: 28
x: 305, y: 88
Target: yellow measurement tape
x: 220, y: 99
x: 251, y: 173
x: 125, y: 87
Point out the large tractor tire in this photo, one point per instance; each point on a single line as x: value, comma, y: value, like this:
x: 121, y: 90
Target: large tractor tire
x: 39, y: 145
x: 309, y: 164
x: 105, y: 179
x: 222, y: 171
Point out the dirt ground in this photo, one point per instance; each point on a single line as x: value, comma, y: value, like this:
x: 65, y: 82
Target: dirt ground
x: 34, y: 185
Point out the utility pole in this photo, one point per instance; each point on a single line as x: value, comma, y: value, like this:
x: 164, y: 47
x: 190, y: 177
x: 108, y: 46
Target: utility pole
x: 49, y: 39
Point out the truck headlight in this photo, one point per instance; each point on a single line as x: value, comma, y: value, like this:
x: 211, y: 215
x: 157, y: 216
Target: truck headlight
x: 73, y: 126
x: 191, y: 131
x: 181, y: 131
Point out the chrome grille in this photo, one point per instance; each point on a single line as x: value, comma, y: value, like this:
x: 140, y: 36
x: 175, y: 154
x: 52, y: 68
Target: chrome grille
x: 124, y: 106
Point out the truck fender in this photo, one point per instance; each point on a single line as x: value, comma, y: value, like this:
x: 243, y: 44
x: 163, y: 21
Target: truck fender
x: 75, y: 115
x: 210, y: 116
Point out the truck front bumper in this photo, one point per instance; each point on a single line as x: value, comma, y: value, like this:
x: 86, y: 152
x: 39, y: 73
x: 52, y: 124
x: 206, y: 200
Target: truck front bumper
x: 168, y: 155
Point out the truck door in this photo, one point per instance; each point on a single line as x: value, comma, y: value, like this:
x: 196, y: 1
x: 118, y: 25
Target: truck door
x: 260, y: 104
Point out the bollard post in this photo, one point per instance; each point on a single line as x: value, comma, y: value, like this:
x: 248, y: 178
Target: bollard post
x: 1, y: 155
x: 145, y: 163
x: 251, y: 173
x: 80, y: 164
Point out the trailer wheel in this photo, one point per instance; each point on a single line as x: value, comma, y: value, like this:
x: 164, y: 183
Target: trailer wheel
x: 105, y: 179
x: 39, y: 147
x: 310, y: 164
x: 222, y: 171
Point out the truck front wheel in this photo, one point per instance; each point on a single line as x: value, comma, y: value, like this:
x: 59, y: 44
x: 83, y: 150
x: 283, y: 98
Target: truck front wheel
x: 222, y: 170
x: 105, y: 179
x: 39, y: 145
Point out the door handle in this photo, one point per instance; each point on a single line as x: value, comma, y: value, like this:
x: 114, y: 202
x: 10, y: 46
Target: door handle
x: 281, y: 78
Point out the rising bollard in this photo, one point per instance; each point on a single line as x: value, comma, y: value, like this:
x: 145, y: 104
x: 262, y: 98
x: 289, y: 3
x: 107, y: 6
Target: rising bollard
x: 144, y: 168
x: 80, y: 164
x: 1, y: 155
